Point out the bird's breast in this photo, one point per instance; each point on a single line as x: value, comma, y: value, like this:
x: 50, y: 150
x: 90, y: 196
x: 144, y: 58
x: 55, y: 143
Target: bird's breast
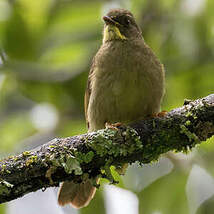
x: 122, y: 89
x: 116, y: 96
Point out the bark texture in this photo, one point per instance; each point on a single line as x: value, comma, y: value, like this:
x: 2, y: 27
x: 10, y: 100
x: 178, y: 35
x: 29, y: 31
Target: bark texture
x: 80, y: 157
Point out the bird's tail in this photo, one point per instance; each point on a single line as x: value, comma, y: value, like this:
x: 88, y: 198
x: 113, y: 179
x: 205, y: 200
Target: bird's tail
x: 78, y: 194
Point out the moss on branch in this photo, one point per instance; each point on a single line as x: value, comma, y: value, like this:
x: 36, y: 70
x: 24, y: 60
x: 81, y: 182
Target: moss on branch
x: 89, y: 155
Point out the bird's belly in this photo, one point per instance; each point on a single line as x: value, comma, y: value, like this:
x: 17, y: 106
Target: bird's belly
x: 121, y: 97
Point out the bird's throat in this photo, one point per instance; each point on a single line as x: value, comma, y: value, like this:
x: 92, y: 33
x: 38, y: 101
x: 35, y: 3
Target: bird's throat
x: 112, y: 32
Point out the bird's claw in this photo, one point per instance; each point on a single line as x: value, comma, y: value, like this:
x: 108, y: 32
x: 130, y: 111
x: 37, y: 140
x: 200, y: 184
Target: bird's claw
x: 160, y: 114
x: 113, y: 125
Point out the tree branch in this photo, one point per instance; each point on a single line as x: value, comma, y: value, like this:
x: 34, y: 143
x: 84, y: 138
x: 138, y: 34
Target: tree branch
x: 79, y: 157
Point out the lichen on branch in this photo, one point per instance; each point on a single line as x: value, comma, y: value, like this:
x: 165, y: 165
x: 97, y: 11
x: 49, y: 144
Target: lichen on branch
x: 90, y: 155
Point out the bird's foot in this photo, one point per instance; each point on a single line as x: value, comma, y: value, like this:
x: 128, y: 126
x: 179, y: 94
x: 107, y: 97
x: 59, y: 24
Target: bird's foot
x: 160, y: 114
x: 112, y: 125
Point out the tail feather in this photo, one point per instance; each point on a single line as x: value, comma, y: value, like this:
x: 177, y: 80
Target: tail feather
x: 79, y: 195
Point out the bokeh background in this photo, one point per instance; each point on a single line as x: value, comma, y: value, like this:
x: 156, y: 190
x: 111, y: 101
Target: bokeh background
x: 46, y: 48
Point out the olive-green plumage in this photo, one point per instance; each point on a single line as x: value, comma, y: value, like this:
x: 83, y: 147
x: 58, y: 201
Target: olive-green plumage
x: 126, y: 80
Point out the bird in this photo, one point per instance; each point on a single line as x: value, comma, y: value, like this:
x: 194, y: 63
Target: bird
x: 126, y: 83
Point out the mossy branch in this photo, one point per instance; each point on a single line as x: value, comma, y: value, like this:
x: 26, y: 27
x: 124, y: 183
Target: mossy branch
x: 88, y: 155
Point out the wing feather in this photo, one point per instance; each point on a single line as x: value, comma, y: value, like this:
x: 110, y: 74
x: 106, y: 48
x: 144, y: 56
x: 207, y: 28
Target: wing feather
x: 88, y: 93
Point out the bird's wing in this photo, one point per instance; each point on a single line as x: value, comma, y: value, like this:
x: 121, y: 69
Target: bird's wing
x: 88, y: 93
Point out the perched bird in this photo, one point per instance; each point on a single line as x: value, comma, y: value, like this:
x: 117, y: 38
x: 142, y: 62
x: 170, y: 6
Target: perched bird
x: 125, y: 83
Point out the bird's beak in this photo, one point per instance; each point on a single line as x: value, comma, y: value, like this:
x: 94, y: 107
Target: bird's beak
x: 108, y: 20
x: 111, y: 30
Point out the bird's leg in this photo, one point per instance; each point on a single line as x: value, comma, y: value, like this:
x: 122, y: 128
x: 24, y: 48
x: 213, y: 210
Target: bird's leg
x: 160, y: 114
x: 112, y: 125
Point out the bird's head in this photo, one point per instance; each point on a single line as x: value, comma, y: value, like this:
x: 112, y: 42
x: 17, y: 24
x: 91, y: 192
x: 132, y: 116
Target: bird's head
x: 120, y: 25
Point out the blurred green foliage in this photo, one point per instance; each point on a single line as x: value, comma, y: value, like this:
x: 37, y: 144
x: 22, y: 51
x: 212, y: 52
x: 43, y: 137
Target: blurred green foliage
x: 46, y: 50
x: 2, y: 208
x: 174, y: 199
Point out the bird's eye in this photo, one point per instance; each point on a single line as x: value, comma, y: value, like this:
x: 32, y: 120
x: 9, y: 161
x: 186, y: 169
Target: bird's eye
x: 126, y: 21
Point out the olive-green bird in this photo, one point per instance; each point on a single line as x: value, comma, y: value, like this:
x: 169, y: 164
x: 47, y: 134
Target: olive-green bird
x: 125, y: 83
